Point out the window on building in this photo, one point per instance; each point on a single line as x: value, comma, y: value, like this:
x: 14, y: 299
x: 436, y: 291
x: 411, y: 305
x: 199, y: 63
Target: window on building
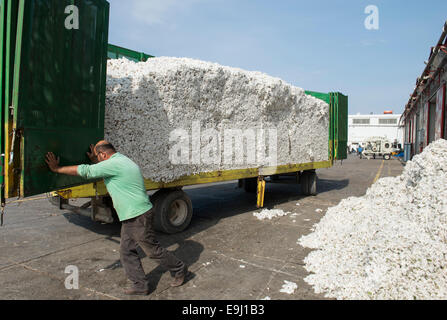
x: 387, y: 121
x: 360, y: 121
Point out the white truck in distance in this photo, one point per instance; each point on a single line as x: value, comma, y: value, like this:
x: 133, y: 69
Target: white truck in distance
x: 377, y: 147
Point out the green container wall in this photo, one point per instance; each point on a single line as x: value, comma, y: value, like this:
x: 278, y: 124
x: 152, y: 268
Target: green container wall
x: 58, y: 87
x: 340, y: 103
x: 8, y: 45
x: 116, y: 52
x: 338, y: 124
x: 3, y: 12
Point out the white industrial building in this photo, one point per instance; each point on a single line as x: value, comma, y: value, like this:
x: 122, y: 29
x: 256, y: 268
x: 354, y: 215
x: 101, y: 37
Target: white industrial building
x: 362, y: 127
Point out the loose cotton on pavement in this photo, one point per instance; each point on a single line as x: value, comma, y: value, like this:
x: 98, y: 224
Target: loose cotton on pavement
x: 390, y: 243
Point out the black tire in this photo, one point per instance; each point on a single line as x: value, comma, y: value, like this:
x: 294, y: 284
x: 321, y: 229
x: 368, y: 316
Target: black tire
x: 309, y: 183
x: 250, y: 185
x: 153, y: 198
x: 313, y: 184
x: 387, y: 157
x: 304, y: 182
x: 172, y: 211
x: 275, y: 177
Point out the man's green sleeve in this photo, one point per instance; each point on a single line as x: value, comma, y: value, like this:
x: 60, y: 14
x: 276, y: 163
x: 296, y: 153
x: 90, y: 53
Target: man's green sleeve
x: 103, y: 169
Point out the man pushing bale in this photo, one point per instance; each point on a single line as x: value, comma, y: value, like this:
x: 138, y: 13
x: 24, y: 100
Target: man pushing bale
x: 125, y: 184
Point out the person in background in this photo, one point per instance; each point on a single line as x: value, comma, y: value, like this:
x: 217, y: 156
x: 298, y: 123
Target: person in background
x: 360, y: 150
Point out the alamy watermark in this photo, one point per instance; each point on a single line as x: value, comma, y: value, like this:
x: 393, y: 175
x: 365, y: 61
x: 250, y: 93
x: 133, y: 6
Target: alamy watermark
x: 248, y: 146
x: 72, y: 280
x: 72, y: 20
x: 372, y: 20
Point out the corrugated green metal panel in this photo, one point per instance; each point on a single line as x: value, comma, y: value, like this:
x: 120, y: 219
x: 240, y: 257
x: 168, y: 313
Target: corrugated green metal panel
x: 116, y: 52
x: 11, y: 34
x: 341, y: 125
x: 11, y: 148
x: 2, y: 107
x: 2, y: 54
x: 331, y: 128
x: 59, y: 87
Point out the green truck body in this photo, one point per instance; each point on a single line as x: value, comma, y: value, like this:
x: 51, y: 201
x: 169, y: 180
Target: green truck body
x: 52, y: 89
x: 338, y: 126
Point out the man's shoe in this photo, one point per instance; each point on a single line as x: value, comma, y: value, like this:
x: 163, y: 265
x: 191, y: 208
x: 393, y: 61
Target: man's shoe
x: 136, y: 292
x: 180, y: 280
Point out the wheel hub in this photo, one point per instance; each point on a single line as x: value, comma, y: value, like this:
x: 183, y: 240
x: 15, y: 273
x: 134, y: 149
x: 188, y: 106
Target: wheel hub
x: 178, y: 212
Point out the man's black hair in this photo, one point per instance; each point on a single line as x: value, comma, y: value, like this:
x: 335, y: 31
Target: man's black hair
x: 107, y: 147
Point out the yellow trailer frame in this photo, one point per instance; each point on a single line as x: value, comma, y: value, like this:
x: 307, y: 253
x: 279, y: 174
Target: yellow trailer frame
x: 96, y: 189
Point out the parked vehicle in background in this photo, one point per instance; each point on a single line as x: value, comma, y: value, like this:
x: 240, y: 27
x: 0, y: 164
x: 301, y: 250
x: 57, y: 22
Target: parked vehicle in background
x: 378, y: 147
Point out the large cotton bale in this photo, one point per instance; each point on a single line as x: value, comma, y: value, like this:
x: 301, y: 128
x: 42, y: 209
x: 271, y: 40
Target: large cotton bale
x: 153, y: 106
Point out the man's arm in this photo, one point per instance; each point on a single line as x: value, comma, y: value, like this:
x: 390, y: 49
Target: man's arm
x: 101, y: 170
x: 53, y: 164
x: 70, y: 170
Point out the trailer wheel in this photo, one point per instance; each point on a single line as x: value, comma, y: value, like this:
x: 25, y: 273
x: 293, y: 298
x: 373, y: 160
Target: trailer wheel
x: 154, y: 198
x: 387, y: 157
x: 308, y: 183
x: 304, y: 183
x: 173, y: 211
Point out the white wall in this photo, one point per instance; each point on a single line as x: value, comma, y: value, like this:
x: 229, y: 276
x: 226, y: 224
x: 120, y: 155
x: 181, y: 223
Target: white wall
x: 358, y: 133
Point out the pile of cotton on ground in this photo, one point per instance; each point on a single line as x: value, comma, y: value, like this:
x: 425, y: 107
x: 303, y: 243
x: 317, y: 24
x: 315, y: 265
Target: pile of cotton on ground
x: 389, y: 244
x: 270, y: 214
x: 147, y: 101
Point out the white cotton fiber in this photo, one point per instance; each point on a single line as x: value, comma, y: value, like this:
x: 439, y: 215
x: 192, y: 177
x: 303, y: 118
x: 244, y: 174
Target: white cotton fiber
x: 147, y: 101
x: 289, y: 287
x: 390, y: 243
x: 270, y: 214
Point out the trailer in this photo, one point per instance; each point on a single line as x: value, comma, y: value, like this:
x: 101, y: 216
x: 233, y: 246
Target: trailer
x: 53, y: 99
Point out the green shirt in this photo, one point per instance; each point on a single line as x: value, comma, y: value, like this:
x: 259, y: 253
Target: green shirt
x: 124, y: 182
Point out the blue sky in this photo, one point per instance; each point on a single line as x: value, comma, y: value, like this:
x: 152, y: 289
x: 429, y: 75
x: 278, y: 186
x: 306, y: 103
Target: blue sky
x: 316, y: 45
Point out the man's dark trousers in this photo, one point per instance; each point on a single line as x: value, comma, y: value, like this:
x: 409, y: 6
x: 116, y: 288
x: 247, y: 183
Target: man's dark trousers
x: 139, y: 232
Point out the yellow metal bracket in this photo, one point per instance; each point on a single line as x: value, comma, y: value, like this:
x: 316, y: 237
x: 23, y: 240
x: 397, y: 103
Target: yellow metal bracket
x: 261, y: 192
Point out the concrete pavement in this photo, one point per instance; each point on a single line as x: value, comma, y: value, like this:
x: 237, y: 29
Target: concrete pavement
x: 232, y: 254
